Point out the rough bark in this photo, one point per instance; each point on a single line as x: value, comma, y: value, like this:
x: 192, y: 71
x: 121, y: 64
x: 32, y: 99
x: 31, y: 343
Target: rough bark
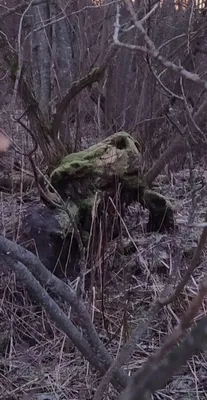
x: 42, y: 57
x: 63, y: 67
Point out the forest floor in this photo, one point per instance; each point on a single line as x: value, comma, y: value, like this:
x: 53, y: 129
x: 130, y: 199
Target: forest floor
x: 38, y: 362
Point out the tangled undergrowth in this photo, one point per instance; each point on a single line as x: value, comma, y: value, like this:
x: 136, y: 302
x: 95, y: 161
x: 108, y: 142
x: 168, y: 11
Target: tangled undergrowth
x: 38, y: 362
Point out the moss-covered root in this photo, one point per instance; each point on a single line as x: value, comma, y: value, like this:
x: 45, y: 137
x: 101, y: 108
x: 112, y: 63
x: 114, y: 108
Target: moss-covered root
x: 161, y: 214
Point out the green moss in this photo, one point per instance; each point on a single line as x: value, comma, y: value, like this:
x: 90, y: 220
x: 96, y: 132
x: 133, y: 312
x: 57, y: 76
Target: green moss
x: 75, y: 168
x: 86, y: 161
x: 100, y: 168
x: 79, y: 162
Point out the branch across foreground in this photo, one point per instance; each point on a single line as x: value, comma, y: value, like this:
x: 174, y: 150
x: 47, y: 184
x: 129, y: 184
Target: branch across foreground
x: 33, y: 274
x: 142, y: 386
x: 169, y: 294
x: 163, y: 364
x: 92, y: 348
x: 11, y: 252
x: 20, y: 259
x: 57, y: 315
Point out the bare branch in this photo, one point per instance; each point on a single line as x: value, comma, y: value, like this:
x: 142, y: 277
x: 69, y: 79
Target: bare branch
x: 175, y: 38
x: 165, y: 298
x: 150, y: 48
x: 66, y: 292
x: 116, y: 34
x: 55, y: 312
x: 136, y: 335
x: 127, y: 350
x: 158, y: 370
x: 18, y: 8
x: 145, y: 18
x: 93, y: 76
x: 165, y: 88
x: 193, y: 344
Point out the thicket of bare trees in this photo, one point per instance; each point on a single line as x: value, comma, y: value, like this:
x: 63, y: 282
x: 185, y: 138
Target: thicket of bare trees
x: 76, y: 71
x: 44, y: 67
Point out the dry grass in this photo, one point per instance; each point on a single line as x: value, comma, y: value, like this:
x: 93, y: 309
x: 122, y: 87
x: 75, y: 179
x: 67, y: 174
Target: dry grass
x: 35, y: 357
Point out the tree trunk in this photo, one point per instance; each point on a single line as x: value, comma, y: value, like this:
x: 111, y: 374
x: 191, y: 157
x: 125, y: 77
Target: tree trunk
x: 41, y: 52
x: 64, y: 71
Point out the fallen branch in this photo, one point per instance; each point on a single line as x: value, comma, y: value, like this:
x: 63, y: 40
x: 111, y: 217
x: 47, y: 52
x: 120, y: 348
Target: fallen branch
x: 127, y: 350
x: 158, y: 370
x: 55, y: 312
x: 136, y: 335
x: 10, y: 250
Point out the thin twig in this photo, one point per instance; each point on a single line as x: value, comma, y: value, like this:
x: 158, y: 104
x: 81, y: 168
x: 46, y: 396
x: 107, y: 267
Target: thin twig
x: 165, y: 88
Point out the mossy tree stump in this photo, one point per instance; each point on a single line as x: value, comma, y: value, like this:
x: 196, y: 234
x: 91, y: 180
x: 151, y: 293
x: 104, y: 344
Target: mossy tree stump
x: 103, y: 177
